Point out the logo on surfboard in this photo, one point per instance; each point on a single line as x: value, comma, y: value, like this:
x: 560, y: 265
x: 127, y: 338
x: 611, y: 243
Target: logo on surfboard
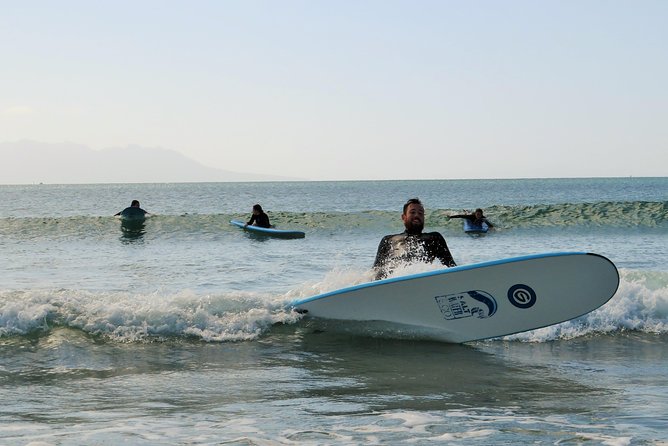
x: 522, y: 296
x: 472, y: 303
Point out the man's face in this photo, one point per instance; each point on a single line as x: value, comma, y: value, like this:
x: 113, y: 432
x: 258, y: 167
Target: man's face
x: 413, y: 218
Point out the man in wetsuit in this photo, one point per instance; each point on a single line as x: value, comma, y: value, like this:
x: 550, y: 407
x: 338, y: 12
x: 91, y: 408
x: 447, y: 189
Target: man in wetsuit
x: 412, y: 245
x: 134, y: 211
x: 259, y: 218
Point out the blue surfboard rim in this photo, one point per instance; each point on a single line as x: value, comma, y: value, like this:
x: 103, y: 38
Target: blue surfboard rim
x: 298, y: 302
x: 269, y: 231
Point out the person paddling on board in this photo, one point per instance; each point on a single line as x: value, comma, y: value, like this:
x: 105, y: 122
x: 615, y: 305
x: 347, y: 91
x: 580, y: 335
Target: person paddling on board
x: 477, y: 218
x: 412, y: 245
x: 258, y: 218
x: 133, y: 211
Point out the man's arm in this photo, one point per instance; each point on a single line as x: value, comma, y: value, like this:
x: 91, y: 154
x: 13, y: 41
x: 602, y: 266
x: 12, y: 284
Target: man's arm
x: 442, y: 252
x: 460, y: 216
x: 382, y: 257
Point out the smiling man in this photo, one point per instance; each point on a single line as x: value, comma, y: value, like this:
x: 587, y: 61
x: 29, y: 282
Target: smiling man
x: 412, y: 245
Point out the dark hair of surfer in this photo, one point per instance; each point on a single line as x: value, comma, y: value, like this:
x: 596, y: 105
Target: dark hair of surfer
x: 412, y: 201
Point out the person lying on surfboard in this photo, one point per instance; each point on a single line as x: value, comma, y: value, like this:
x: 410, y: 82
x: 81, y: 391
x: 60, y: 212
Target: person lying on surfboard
x: 477, y: 218
x: 259, y: 218
x: 412, y: 245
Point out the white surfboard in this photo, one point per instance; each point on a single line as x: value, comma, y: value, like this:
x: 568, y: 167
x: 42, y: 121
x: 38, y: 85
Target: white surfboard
x: 479, y: 301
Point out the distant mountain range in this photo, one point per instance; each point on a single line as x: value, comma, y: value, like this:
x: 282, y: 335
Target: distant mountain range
x: 29, y: 162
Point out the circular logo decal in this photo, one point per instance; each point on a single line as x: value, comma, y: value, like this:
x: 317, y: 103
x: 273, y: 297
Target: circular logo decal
x: 522, y: 296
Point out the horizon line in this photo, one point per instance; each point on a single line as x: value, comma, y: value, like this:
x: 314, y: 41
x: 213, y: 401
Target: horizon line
x: 338, y: 180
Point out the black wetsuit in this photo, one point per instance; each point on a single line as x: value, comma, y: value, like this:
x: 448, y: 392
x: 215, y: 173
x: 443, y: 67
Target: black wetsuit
x: 261, y: 220
x: 133, y: 212
x: 408, y: 248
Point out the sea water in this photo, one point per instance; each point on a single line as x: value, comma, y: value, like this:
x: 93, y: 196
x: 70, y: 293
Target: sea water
x: 178, y: 331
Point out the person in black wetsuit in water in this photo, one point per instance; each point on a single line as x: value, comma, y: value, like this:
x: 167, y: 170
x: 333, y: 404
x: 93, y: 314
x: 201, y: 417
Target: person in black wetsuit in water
x: 259, y: 218
x: 134, y: 211
x: 412, y: 245
x: 477, y: 218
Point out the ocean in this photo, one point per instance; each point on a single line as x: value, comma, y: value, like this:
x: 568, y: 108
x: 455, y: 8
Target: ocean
x: 179, y: 332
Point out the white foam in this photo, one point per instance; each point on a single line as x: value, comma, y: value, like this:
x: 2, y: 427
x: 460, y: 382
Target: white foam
x: 343, y: 277
x: 128, y: 317
x: 335, y: 279
x: 414, y: 420
x: 22, y: 312
x: 637, y: 305
x: 640, y: 304
x: 606, y: 439
x: 420, y: 423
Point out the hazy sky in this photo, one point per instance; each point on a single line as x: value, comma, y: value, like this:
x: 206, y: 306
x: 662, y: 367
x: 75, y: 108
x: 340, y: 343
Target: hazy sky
x: 347, y: 89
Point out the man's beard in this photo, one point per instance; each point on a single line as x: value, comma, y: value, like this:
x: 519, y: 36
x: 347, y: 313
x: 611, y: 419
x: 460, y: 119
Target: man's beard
x: 414, y: 227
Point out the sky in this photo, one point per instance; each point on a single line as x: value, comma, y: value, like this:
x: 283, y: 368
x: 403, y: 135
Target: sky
x: 347, y: 90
